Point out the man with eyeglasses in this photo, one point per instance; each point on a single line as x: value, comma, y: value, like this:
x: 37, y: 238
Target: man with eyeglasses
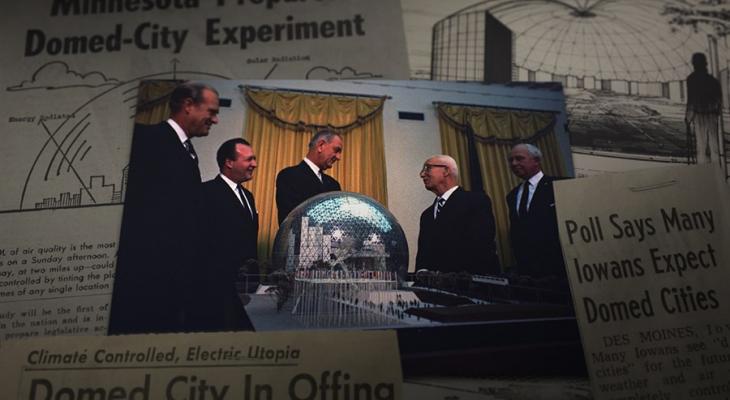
x: 457, y: 231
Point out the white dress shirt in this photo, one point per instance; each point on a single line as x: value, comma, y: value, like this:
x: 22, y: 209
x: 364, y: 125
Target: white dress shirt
x: 534, y: 180
x: 315, y: 168
x: 444, y: 196
x: 234, y: 186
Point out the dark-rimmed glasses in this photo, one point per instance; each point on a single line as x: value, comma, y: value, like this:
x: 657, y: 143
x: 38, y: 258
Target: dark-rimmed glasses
x: 427, y: 167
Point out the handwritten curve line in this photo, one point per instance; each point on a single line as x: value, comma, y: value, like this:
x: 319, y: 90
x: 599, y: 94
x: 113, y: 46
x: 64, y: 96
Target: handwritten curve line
x: 654, y: 186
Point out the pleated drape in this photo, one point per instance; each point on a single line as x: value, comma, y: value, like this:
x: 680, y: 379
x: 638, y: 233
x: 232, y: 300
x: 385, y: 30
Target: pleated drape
x: 152, y: 101
x: 495, y: 132
x: 279, y: 125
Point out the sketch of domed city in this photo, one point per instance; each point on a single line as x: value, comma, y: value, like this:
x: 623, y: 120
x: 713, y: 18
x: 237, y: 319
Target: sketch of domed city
x: 622, y: 65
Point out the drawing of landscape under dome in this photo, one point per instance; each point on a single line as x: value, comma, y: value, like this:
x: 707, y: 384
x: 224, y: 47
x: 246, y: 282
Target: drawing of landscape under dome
x: 622, y: 64
x: 83, y: 146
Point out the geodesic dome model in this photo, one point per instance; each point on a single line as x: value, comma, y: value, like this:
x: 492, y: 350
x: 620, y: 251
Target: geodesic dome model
x: 341, y: 232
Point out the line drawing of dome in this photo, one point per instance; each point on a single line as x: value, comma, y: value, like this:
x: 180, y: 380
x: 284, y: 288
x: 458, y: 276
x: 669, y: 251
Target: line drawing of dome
x: 623, y: 64
x: 603, y: 40
x: 71, y: 168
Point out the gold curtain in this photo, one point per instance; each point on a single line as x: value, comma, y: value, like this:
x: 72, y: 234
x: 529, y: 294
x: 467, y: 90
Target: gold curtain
x: 279, y: 125
x: 152, y: 101
x: 496, y: 131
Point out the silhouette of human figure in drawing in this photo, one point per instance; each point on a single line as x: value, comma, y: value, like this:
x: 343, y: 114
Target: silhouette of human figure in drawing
x: 704, y: 103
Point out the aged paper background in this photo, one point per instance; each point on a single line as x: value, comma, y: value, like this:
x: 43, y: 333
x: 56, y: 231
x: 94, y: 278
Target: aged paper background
x: 646, y: 255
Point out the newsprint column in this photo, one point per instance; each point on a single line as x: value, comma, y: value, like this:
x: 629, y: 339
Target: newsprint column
x: 647, y: 258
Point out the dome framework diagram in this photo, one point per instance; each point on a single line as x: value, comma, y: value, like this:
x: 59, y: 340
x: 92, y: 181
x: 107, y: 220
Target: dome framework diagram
x: 622, y: 46
x: 622, y: 63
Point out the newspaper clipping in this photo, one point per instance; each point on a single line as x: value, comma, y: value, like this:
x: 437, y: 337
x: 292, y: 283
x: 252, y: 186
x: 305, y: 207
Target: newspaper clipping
x: 246, y: 366
x: 646, y: 255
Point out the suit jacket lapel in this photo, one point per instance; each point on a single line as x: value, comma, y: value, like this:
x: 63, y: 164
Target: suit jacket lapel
x: 180, y: 152
x: 451, y: 204
x: 255, y: 213
x: 538, y: 198
x: 250, y: 209
x: 511, y: 206
x: 312, y: 178
x: 232, y: 198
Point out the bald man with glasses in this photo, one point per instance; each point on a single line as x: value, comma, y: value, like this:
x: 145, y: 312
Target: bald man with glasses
x: 457, y: 231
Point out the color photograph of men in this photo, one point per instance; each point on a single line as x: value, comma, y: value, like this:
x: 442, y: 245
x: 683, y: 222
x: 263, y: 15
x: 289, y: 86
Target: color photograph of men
x: 704, y: 104
x: 307, y: 179
x: 228, y: 230
x: 158, y: 235
x: 456, y: 233
x: 533, y: 222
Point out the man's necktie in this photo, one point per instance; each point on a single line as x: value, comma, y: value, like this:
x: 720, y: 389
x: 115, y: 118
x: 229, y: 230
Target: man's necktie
x: 523, y: 199
x: 439, y: 204
x: 189, y: 147
x: 243, y: 200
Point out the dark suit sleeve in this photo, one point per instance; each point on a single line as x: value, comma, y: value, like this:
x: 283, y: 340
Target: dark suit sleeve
x: 153, y: 270
x: 296, y: 184
x: 253, y: 243
x: 252, y: 201
x: 513, y: 227
x: 330, y: 184
x: 422, y: 255
x: 481, y: 229
x: 287, y: 196
x: 227, y: 242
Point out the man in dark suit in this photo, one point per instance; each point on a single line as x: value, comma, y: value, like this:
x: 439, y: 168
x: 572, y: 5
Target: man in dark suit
x: 296, y: 184
x: 228, y: 230
x: 457, y: 232
x: 533, y: 222
x: 157, y: 241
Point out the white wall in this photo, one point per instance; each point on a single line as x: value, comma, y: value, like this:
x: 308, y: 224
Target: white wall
x: 407, y: 143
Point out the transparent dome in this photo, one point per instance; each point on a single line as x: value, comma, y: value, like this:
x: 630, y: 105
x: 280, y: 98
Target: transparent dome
x: 341, y: 232
x: 618, y: 40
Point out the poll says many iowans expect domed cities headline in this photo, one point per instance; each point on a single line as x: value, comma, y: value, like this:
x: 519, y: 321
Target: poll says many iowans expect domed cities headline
x: 702, y: 257
x: 673, y: 300
x: 43, y: 357
x: 639, y: 229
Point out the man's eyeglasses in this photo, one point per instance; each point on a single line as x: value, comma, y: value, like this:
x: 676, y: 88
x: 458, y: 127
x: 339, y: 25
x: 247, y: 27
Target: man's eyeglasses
x: 427, y: 167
